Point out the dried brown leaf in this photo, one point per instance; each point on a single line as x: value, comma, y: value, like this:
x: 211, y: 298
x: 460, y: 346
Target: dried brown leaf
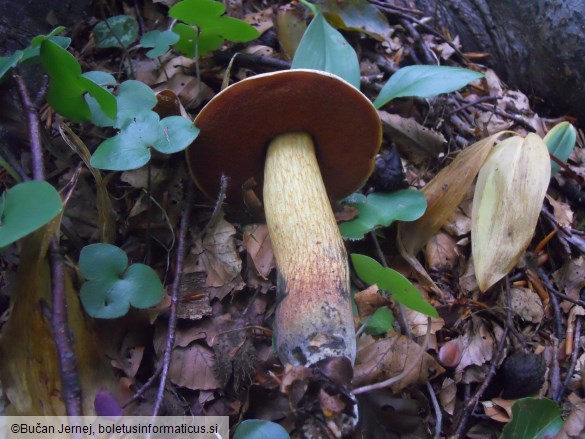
x: 448, y: 396
x: 259, y: 247
x: 440, y: 252
x: 379, y: 360
x: 369, y: 300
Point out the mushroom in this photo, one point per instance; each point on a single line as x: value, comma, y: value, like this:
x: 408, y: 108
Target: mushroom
x: 306, y: 137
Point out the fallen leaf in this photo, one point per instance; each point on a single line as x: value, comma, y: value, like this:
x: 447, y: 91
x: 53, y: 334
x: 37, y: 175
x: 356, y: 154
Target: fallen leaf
x: 570, y: 278
x: 494, y: 412
x: 259, y: 248
x: 413, y: 139
x: 509, y: 192
x: 219, y: 258
x: 574, y: 425
x: 440, y: 252
x: 379, y: 360
x: 191, y: 366
x: 369, y: 300
x: 448, y: 396
x: 525, y: 303
x: 562, y: 211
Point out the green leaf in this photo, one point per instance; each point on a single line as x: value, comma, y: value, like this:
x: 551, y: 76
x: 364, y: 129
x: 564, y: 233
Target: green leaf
x: 177, y: 134
x: 197, y: 12
x: 187, y: 37
x: 359, y: 16
x: 533, y: 419
x: 390, y: 280
x: 115, y: 30
x: 103, y: 79
x: 67, y: 87
x: 324, y: 48
x: 159, y: 41
x: 260, y: 429
x: 134, y: 98
x: 26, y: 207
x: 111, y: 286
x: 560, y: 141
x: 380, y: 322
x: 424, y: 82
x: 9, y: 62
x: 381, y: 210
x: 130, y: 148
x: 214, y: 28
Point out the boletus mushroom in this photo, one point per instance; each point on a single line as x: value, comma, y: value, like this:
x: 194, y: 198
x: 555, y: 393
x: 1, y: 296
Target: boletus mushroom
x: 306, y: 137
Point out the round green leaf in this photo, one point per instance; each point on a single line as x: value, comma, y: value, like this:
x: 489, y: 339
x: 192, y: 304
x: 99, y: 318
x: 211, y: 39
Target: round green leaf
x: 26, y: 207
x: 424, y: 82
x: 260, y: 429
x: 197, y: 12
x: 380, y: 322
x: 177, y: 134
x: 111, y: 288
x: 381, y: 210
x: 187, y: 38
x: 232, y: 29
x: 324, y: 48
x: 533, y: 419
x: 159, y: 41
x: 118, y: 29
x: 129, y: 149
x: 134, y: 98
x: 371, y: 272
x: 99, y: 260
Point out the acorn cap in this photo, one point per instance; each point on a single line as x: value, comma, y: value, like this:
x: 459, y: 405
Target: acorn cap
x: 238, y: 124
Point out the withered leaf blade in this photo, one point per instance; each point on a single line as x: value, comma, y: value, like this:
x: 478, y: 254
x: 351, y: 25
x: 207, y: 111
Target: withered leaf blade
x: 508, y: 197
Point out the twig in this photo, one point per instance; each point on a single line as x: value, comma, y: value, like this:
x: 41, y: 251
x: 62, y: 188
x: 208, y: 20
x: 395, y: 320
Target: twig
x: 402, y: 321
x: 70, y: 385
x: 172, y: 326
x: 471, y: 104
x: 470, y: 407
x: 555, y: 372
x: 401, y: 375
x: 555, y: 303
x: 502, y: 113
x: 574, y: 357
x: 438, y: 412
x: 218, y: 205
x: 34, y: 129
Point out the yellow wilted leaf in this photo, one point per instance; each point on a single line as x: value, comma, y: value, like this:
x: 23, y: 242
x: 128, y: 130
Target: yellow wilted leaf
x: 508, y: 197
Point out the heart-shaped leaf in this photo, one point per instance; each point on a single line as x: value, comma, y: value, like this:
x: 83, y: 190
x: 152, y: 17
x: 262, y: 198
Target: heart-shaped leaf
x: 371, y: 272
x: 424, y: 82
x: 159, y: 41
x: 9, y: 62
x: 111, y: 286
x: 67, y: 87
x: 381, y: 210
x: 533, y: 419
x: 26, y: 207
x: 324, y: 48
x: 212, y: 28
x: 260, y: 429
x: 117, y: 31
x: 560, y: 141
x: 130, y: 148
x: 358, y: 15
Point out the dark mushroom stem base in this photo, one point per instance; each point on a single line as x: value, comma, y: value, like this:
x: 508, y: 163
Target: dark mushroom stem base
x: 314, y: 319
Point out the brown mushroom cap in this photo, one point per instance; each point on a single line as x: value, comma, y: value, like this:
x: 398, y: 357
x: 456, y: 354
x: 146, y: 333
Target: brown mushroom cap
x: 238, y: 124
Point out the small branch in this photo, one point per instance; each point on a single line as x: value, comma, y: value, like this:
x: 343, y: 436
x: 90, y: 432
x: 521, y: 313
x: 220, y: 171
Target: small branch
x: 470, y: 407
x: 70, y: 385
x: 437, y: 409
x: 33, y: 127
x: 574, y: 357
x: 172, y: 326
x: 555, y: 372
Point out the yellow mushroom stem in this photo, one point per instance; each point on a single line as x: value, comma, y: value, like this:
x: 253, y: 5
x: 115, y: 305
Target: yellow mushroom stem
x: 313, y: 318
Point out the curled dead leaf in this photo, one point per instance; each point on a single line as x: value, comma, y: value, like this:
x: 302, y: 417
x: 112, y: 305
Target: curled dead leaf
x: 508, y: 197
x: 379, y: 360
